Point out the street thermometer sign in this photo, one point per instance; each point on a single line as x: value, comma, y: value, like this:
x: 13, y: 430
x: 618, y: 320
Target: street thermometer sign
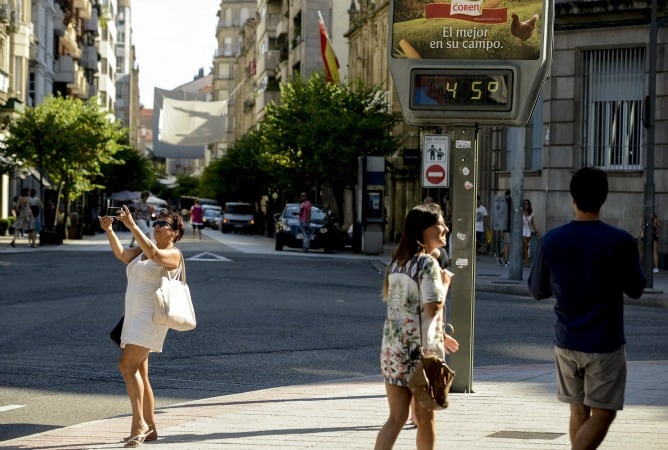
x: 470, y: 61
x: 459, y: 64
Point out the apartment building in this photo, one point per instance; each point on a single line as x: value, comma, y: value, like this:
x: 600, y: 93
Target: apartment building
x: 65, y: 47
x: 263, y: 43
x: 127, y: 106
x: 232, y: 18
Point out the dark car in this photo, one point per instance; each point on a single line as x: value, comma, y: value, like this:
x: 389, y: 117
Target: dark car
x: 323, y: 232
x: 212, y: 218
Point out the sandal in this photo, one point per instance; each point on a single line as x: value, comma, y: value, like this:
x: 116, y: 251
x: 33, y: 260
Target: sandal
x: 151, y: 435
x: 136, y: 441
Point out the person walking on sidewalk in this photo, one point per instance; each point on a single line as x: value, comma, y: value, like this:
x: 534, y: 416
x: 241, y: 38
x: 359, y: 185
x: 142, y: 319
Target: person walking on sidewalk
x: 140, y: 335
x: 196, y: 219
x: 481, y: 227
x: 25, y: 222
x: 588, y: 265
x: 528, y: 230
x: 413, y: 277
x: 305, y: 220
x: 142, y: 215
x: 656, y: 225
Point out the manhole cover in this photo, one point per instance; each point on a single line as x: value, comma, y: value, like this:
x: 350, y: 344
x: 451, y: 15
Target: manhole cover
x: 510, y: 434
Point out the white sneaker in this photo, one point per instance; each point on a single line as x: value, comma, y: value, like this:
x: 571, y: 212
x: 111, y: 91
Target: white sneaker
x: 656, y: 270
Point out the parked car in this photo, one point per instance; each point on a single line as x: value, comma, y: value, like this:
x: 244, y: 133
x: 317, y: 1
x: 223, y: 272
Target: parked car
x: 324, y: 233
x: 238, y: 216
x: 212, y: 218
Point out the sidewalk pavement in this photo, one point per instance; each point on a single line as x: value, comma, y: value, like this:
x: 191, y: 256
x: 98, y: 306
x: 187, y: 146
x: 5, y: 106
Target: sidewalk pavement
x: 512, y: 407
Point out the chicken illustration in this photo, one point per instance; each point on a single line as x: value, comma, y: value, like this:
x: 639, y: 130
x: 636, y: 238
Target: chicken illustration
x: 523, y: 30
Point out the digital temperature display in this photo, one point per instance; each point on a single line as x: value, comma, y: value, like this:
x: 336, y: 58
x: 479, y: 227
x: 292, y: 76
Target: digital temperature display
x: 461, y: 90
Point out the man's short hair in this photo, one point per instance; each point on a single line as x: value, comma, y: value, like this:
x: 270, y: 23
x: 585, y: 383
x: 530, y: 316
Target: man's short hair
x: 589, y: 189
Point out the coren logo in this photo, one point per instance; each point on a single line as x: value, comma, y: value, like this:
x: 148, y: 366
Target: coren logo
x: 467, y: 7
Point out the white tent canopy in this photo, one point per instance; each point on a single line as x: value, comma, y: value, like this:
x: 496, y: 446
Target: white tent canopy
x: 133, y: 196
x: 185, y: 122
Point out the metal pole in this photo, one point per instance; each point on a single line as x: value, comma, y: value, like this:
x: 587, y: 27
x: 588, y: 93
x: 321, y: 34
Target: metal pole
x: 516, y: 142
x: 648, y: 225
x: 463, y: 262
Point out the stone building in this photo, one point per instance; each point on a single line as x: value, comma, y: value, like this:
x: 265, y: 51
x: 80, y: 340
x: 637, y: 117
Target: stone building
x: 589, y: 114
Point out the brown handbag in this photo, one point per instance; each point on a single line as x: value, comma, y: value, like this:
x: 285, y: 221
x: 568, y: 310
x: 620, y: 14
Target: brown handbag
x: 432, y: 378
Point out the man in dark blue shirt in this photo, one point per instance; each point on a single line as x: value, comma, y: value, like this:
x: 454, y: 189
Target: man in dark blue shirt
x: 588, y: 266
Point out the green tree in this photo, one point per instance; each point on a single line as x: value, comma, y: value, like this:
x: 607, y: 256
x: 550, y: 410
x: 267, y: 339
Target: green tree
x: 242, y: 174
x: 69, y: 139
x: 318, y: 130
x: 129, y: 171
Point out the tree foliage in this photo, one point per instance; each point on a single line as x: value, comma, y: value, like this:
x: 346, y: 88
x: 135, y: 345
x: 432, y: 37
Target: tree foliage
x: 243, y: 174
x: 69, y: 139
x: 129, y: 171
x: 316, y: 133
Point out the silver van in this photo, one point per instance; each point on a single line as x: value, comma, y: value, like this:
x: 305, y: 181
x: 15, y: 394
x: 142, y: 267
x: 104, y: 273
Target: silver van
x: 238, y: 216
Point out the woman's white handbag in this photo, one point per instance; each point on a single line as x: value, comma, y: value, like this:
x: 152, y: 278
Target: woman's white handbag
x: 172, y: 305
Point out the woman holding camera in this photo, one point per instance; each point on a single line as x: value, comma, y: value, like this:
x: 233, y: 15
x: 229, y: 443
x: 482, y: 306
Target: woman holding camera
x: 140, y: 335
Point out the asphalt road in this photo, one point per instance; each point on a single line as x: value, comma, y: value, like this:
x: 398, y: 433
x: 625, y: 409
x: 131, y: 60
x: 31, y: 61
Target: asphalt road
x: 265, y: 319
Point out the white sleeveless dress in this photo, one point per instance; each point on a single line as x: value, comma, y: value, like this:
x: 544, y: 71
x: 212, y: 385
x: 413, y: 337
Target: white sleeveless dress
x: 138, y: 327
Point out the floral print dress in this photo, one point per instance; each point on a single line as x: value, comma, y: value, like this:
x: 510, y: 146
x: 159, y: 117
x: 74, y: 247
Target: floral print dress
x: 401, y: 336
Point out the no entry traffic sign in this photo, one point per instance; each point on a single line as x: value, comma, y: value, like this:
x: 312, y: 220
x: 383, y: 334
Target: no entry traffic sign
x: 435, y: 174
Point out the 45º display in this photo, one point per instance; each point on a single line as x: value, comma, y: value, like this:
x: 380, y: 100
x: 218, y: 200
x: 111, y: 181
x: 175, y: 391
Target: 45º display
x: 470, y: 90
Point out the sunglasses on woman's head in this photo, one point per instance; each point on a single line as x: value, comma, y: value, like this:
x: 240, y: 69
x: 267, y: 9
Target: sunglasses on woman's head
x: 163, y: 224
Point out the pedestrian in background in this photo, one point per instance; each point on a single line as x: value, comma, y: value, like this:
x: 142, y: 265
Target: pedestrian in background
x: 142, y: 215
x: 503, y: 258
x: 413, y: 279
x: 196, y: 219
x: 481, y: 226
x: 655, y: 242
x: 36, y: 210
x: 528, y: 230
x: 140, y: 335
x: 25, y: 222
x: 589, y: 266
x: 305, y: 220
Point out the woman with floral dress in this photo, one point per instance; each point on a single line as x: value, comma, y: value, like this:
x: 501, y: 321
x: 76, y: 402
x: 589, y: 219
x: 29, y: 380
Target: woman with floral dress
x: 413, y: 277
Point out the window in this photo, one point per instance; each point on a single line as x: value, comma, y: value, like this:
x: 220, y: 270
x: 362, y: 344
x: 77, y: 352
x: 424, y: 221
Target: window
x: 227, y: 46
x: 224, y: 71
x: 613, y: 85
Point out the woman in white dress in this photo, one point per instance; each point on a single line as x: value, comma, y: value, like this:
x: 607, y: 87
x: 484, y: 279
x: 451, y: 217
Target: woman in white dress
x: 140, y: 335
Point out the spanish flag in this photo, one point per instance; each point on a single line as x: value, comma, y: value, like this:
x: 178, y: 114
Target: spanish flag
x: 328, y: 55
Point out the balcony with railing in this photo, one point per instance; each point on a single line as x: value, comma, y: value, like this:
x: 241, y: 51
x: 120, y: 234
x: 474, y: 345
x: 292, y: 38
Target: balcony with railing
x: 268, y: 62
x: 264, y: 98
x: 93, y: 24
x: 85, y: 8
x: 273, y: 20
x: 4, y: 85
x: 89, y: 59
x: 282, y: 27
x: 68, y: 42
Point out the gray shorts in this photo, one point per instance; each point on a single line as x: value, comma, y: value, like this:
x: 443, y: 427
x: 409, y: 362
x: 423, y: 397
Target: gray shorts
x: 506, y: 239
x: 597, y: 380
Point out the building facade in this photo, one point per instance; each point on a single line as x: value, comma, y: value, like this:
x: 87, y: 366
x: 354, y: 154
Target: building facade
x: 590, y: 113
x: 263, y: 43
x: 70, y: 48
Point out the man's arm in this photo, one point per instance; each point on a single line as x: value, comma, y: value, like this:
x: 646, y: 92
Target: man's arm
x: 539, y: 277
x: 635, y: 282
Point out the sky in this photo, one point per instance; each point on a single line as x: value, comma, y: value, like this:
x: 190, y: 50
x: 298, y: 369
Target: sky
x: 173, y: 39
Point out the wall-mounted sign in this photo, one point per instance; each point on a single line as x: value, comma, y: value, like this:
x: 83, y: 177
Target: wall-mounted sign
x: 435, y: 161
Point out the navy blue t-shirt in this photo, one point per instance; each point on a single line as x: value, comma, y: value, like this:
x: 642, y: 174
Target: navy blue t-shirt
x: 587, y: 266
